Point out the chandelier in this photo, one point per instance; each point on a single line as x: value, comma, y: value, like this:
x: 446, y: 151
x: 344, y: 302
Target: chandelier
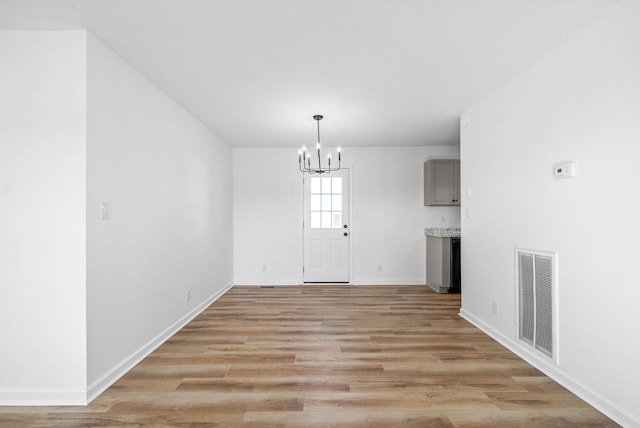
x: 306, y: 164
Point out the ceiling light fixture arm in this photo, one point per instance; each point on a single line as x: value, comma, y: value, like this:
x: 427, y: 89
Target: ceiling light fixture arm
x: 304, y: 157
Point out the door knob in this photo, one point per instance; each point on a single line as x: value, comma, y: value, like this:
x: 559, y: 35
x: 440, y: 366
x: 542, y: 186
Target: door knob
x: 345, y: 226
x: 345, y: 234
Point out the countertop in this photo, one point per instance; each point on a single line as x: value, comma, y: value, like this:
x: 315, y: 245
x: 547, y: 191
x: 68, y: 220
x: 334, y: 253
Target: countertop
x: 442, y: 232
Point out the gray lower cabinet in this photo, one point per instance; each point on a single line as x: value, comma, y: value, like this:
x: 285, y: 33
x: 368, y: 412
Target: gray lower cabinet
x: 443, y: 264
x: 442, y: 182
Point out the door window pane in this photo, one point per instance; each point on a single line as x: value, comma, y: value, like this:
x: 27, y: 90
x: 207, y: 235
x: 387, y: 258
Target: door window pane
x: 315, y: 185
x: 315, y: 203
x: 336, y: 202
x: 326, y: 185
x: 326, y: 219
x: 325, y: 204
x: 315, y: 220
x: 336, y: 187
x: 337, y: 220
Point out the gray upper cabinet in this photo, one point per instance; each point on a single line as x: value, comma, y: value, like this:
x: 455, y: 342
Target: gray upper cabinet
x: 442, y: 182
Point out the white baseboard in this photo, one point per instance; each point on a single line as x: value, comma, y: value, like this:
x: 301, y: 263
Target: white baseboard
x: 438, y: 289
x: 110, y: 377
x: 388, y: 282
x: 258, y: 282
x: 555, y: 373
x: 43, y: 396
x: 269, y: 282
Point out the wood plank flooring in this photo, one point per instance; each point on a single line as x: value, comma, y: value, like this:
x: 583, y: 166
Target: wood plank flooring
x: 327, y: 356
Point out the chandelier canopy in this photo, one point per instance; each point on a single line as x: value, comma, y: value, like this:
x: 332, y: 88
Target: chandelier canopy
x: 305, y: 162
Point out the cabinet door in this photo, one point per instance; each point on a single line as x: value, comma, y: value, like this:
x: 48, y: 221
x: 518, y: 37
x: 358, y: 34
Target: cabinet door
x: 456, y: 184
x: 442, y: 182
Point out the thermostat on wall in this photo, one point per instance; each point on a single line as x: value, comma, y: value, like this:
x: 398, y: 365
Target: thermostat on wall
x: 564, y: 170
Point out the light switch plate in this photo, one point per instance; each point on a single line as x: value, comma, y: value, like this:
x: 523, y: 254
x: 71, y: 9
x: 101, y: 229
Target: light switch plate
x: 105, y: 211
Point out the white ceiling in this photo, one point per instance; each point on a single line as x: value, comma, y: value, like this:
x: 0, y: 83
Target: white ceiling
x: 382, y: 72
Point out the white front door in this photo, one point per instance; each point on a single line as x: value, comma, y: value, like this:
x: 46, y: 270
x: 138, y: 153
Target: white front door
x: 326, y: 227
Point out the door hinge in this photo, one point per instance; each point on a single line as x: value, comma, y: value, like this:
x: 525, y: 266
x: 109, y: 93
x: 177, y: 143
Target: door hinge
x: 302, y: 269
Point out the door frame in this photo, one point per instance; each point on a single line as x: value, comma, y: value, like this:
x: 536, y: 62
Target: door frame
x: 349, y: 172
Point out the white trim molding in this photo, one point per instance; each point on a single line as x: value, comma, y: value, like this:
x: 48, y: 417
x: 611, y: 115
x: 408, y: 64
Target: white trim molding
x: 43, y: 396
x: 270, y: 282
x: 389, y: 282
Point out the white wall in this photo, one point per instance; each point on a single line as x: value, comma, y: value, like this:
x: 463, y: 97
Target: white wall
x: 167, y: 179
x: 389, y: 215
x: 387, y: 223
x: 580, y: 103
x: 42, y: 216
x: 267, y: 199
x: 84, y: 299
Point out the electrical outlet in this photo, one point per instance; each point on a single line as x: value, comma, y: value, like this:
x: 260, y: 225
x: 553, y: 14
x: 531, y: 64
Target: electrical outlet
x: 494, y: 308
x: 379, y: 268
x: 264, y: 268
x: 188, y: 295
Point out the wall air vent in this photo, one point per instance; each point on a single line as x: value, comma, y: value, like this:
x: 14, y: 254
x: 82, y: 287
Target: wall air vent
x: 537, y: 301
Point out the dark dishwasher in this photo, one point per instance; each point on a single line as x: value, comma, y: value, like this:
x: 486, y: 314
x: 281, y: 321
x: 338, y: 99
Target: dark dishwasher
x: 455, y: 266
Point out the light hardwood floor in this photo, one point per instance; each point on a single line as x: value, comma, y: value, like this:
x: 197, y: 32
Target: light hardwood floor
x: 327, y: 356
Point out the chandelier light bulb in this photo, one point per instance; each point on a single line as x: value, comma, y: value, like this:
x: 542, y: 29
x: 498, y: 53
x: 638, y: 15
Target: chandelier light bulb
x: 329, y: 155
